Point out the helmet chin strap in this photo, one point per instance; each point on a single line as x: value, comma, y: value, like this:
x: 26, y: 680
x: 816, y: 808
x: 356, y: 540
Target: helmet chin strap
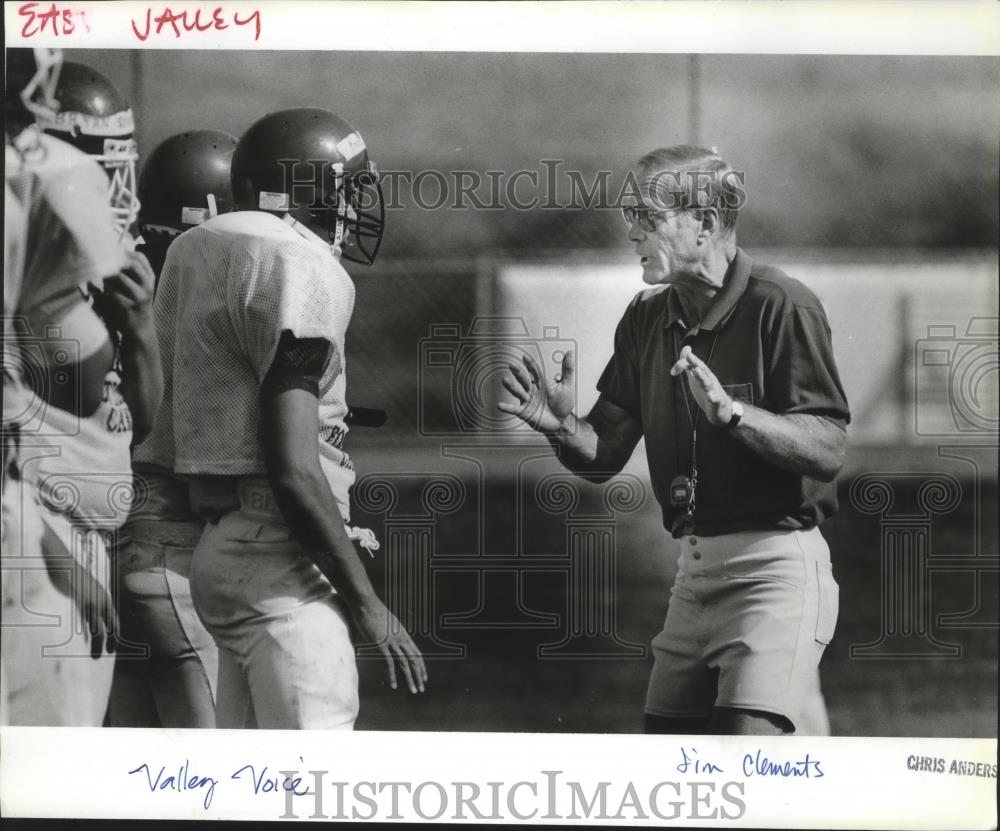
x: 337, y: 246
x: 333, y: 235
x: 341, y: 225
x: 307, y: 227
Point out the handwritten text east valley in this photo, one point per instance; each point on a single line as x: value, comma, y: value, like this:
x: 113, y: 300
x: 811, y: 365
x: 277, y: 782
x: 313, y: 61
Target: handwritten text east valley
x: 184, y: 21
x: 39, y: 19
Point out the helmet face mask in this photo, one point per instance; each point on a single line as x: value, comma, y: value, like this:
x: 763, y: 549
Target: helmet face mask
x: 118, y: 160
x: 39, y: 94
x: 94, y: 117
x: 355, y: 219
x: 363, y: 192
x: 29, y: 95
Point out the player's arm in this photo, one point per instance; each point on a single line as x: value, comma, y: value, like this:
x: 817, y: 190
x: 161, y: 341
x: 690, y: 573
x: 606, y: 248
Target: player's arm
x: 596, y: 447
x: 127, y: 305
x: 87, y: 377
x: 289, y: 427
x: 77, y: 388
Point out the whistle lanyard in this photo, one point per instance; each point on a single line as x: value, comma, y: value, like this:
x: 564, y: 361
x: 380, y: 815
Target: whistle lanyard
x: 693, y: 419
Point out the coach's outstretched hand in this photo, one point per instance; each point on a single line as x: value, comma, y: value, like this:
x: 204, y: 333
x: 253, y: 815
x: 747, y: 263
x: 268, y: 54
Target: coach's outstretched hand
x: 542, y: 404
x: 377, y: 625
x: 705, y: 387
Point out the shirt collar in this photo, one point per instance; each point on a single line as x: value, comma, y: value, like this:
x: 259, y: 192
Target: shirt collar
x: 311, y: 236
x: 674, y: 310
x: 735, y: 283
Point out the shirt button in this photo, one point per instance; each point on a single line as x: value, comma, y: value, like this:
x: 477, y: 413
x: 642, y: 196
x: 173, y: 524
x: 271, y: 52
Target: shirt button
x: 693, y: 540
x: 696, y: 555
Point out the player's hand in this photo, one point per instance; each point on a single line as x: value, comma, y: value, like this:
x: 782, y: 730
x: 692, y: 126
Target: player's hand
x: 708, y: 393
x: 98, y: 611
x: 542, y: 404
x: 377, y: 625
x: 127, y: 297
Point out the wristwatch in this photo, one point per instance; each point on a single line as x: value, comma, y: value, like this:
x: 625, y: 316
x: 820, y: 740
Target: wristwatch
x: 736, y: 417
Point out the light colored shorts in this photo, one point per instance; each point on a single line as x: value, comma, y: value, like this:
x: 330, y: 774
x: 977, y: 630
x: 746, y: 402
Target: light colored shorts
x: 750, y: 615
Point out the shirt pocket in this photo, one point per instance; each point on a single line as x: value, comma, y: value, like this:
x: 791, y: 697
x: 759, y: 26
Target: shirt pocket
x: 740, y: 392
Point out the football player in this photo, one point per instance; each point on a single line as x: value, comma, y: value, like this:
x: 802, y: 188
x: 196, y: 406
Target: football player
x: 171, y: 683
x: 257, y: 424
x: 94, y: 116
x: 59, y: 235
x: 184, y: 182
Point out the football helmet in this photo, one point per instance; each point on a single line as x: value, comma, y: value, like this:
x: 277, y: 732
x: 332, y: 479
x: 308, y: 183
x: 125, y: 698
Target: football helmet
x: 185, y: 181
x: 312, y: 164
x: 95, y: 117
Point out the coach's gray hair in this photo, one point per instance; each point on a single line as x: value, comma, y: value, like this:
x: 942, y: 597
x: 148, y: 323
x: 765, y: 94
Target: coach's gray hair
x: 696, y: 177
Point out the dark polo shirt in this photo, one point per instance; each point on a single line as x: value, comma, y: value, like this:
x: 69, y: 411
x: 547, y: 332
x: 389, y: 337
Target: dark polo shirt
x: 770, y: 346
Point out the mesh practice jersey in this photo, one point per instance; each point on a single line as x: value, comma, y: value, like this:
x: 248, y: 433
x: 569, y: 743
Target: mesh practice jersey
x: 66, y: 239
x: 71, y: 235
x: 228, y: 289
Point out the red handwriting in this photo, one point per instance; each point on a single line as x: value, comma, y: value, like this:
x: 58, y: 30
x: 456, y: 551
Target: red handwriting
x: 60, y: 21
x: 182, y: 21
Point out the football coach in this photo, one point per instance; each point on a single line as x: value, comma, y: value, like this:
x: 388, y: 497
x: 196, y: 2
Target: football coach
x: 726, y: 367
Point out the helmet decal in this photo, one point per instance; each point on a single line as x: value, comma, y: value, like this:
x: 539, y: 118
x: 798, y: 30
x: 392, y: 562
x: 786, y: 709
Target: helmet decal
x: 85, y: 124
x: 351, y: 146
x: 269, y: 201
x: 193, y: 216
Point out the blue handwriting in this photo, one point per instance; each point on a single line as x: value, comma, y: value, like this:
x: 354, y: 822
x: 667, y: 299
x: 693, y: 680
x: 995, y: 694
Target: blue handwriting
x: 689, y: 763
x: 759, y: 765
x: 183, y: 781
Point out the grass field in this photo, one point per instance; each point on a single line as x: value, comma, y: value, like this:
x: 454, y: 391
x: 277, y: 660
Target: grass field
x: 501, y: 684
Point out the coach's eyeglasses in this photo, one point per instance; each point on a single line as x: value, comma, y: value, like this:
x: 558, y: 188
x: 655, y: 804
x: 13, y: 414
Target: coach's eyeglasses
x: 643, y: 217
